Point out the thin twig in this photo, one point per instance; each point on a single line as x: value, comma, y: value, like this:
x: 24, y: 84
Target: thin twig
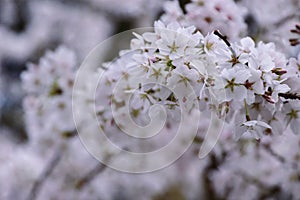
x: 86, y: 179
x: 285, y: 19
x: 43, y: 177
x: 293, y: 96
x: 225, y: 40
x: 273, y: 153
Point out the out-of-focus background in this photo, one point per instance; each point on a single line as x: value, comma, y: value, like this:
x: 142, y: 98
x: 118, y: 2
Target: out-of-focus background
x: 30, y: 27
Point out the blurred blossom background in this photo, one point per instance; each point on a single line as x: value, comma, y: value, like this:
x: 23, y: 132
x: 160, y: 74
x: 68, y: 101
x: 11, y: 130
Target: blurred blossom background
x: 28, y: 28
x: 32, y: 29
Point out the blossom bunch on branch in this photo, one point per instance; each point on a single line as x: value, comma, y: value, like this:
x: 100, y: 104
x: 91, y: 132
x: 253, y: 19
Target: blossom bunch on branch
x: 255, y: 86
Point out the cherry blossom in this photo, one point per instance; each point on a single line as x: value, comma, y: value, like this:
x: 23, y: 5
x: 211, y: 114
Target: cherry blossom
x: 197, y: 58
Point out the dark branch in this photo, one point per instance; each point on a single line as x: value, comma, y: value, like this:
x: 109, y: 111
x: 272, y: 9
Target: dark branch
x: 182, y: 4
x: 292, y: 96
x: 295, y: 41
x: 213, y: 164
x: 82, y: 182
x: 273, y: 153
x: 265, y: 190
x: 224, y: 38
x: 47, y: 171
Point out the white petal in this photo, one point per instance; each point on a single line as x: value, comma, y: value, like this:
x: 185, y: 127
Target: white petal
x: 295, y: 126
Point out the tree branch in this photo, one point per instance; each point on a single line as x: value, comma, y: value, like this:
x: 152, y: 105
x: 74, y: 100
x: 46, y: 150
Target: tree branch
x: 182, y: 4
x: 46, y: 173
x: 86, y: 179
x: 293, y: 96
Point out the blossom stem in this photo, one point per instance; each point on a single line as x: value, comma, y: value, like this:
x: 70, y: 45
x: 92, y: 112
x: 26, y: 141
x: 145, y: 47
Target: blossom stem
x: 247, y: 110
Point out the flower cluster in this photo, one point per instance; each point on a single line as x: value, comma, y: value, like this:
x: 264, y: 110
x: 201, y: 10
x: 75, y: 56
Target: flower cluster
x: 48, y: 111
x: 150, y: 70
x: 208, y: 15
x: 251, y: 84
x: 257, y: 82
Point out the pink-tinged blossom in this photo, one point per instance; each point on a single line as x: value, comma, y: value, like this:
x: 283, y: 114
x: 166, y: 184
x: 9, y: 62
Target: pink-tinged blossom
x: 208, y: 15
